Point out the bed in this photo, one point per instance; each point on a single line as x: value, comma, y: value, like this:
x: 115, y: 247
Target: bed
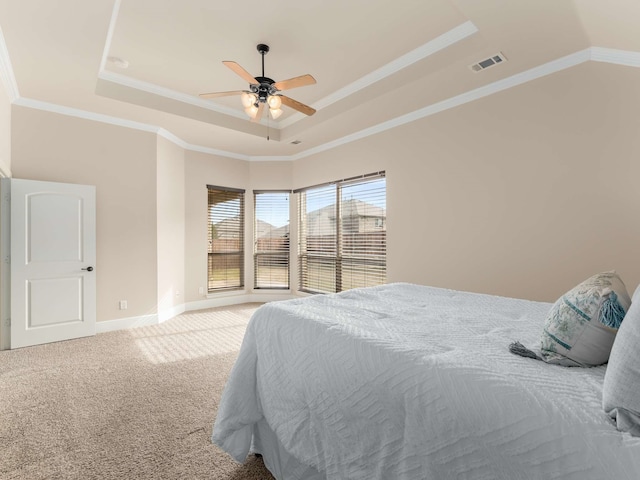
x: 403, y: 381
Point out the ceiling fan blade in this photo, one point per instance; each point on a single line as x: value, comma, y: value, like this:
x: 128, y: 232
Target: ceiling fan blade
x: 301, y: 107
x: 295, y: 82
x: 221, y: 94
x: 241, y: 71
x: 258, y: 116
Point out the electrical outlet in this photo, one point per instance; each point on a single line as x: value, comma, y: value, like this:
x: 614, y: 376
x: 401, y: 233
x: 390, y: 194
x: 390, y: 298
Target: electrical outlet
x: 123, y: 304
x: 201, y: 290
x: 177, y: 293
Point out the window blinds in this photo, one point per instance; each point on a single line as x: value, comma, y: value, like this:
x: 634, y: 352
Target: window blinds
x: 226, y: 238
x: 271, y: 239
x: 342, y: 234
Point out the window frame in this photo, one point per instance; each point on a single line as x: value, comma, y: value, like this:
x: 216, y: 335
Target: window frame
x: 270, y: 253
x: 231, y: 194
x: 338, y: 260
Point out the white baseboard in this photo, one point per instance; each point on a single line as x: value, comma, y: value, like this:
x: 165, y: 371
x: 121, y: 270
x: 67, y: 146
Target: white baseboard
x: 169, y: 313
x: 129, y: 322
x: 235, y: 299
x: 164, y: 315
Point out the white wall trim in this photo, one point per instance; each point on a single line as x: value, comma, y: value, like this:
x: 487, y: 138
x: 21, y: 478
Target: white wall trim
x: 109, y: 39
x: 486, y: 90
x: 6, y: 71
x: 167, y: 314
x: 221, y: 301
x: 619, y: 57
x: 437, y: 44
x: 154, y: 89
x: 197, y: 148
x: 606, y: 55
x: 84, y: 114
x: 129, y: 322
x: 121, y: 122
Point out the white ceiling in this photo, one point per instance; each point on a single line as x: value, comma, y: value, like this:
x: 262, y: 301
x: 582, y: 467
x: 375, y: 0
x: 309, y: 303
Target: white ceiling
x: 378, y: 63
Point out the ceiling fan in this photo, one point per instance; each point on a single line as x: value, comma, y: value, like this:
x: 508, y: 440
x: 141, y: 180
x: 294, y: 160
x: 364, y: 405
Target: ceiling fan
x: 264, y: 91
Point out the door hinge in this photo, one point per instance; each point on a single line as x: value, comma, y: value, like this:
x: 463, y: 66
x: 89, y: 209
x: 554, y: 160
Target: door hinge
x: 7, y: 260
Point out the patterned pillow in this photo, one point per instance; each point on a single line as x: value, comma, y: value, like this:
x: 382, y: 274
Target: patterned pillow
x: 621, y: 389
x: 582, y: 325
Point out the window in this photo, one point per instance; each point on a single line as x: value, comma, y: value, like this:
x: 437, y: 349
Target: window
x: 271, y: 239
x: 343, y: 234
x: 226, y: 238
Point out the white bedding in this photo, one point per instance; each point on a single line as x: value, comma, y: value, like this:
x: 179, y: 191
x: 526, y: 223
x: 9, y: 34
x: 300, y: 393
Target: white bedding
x: 409, y: 382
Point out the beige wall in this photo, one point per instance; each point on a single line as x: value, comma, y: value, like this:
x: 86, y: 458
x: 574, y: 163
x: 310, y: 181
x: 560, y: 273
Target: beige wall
x: 121, y: 163
x: 202, y: 170
x: 171, y: 225
x: 523, y: 193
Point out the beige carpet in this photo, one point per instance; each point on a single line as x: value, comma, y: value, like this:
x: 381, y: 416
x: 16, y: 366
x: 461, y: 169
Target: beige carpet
x: 131, y: 404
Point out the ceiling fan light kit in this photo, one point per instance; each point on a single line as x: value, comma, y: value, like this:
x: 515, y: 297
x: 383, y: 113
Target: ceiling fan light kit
x: 264, y: 91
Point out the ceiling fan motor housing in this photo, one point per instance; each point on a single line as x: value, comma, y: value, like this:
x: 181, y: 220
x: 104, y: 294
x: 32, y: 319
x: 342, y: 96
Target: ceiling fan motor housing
x: 264, y: 88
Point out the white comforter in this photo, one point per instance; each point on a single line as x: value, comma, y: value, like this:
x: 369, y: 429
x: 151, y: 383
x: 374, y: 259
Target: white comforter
x: 409, y: 382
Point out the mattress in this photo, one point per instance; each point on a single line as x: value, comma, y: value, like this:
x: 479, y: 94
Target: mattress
x: 410, y: 382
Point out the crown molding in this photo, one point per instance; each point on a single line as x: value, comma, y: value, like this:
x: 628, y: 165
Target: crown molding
x: 109, y: 38
x: 6, y: 72
x: 84, y: 114
x: 198, y: 148
x: 441, y: 42
x: 481, y: 92
x: 121, y: 122
x: 154, y: 89
x: 618, y: 57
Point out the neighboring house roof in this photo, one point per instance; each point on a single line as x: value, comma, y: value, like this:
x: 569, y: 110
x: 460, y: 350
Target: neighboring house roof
x: 282, y: 231
x: 227, y: 228
x: 358, y: 208
x: 350, y: 208
x: 264, y: 229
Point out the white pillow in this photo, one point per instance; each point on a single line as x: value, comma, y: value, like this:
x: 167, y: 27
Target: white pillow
x: 582, y: 324
x: 621, y: 389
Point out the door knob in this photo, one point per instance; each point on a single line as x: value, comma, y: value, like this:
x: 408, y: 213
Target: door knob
x: 88, y: 269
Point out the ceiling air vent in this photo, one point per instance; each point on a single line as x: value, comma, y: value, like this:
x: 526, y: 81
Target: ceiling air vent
x: 488, y: 62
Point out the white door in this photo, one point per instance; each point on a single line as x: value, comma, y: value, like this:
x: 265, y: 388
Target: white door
x: 53, y: 255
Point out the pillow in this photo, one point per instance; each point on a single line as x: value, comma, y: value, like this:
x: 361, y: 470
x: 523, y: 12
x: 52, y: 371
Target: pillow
x: 621, y: 389
x: 582, y: 324
x: 636, y: 295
